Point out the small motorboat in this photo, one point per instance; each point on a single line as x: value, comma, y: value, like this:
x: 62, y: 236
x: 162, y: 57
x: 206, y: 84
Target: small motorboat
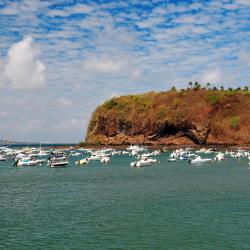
x: 219, y: 157
x: 198, y: 159
x: 82, y: 161
x: 171, y: 159
x: 58, y: 161
x: 105, y: 159
x: 3, y: 158
x: 26, y: 161
x: 143, y: 162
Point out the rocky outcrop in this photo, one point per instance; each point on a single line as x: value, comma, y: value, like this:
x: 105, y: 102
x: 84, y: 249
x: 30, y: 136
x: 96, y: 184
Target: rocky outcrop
x: 173, y: 118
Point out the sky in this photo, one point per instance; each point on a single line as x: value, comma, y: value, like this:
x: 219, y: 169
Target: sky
x: 60, y: 59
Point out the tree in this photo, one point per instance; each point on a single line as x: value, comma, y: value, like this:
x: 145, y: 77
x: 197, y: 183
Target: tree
x: 190, y: 84
x: 246, y: 88
x: 173, y: 89
x: 208, y: 85
x: 222, y: 88
x: 197, y: 86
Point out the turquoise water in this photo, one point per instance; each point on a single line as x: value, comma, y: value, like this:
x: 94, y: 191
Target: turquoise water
x: 168, y: 206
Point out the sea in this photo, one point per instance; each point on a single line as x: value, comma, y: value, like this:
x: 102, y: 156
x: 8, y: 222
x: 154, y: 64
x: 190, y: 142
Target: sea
x: 170, y: 205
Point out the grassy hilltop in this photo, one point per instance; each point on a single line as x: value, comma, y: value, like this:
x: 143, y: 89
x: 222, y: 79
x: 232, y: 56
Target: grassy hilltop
x: 190, y: 116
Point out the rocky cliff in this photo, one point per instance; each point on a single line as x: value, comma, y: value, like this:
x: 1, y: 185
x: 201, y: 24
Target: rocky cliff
x: 173, y: 118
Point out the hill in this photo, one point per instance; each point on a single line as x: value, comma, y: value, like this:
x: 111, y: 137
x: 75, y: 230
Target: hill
x: 185, y: 117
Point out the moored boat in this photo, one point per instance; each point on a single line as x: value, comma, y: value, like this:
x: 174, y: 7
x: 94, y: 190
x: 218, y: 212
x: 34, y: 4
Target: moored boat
x: 58, y: 161
x: 198, y: 159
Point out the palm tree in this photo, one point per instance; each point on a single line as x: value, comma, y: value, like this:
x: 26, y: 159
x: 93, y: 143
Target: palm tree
x: 208, y: 84
x: 197, y: 86
x: 190, y: 84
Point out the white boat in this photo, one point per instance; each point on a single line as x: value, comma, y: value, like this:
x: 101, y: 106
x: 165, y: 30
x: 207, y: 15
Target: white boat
x: 143, y: 162
x: 219, y: 157
x: 43, y: 153
x: 82, y: 161
x: 76, y: 154
x: 171, y: 159
x: 26, y: 161
x: 40, y: 161
x: 198, y: 159
x: 94, y: 158
x: 58, y: 161
x: 3, y: 158
x: 105, y: 160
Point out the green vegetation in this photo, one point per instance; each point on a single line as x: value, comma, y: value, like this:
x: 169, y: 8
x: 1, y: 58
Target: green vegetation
x: 234, y: 123
x: 212, y: 99
x: 109, y: 104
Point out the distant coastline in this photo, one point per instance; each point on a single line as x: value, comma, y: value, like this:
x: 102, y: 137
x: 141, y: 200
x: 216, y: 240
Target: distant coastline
x: 34, y: 144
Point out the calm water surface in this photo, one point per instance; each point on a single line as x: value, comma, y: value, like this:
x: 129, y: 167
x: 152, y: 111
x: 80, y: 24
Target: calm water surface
x: 168, y: 206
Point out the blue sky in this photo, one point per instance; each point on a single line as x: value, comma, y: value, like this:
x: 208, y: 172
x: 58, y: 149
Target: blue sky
x: 60, y: 59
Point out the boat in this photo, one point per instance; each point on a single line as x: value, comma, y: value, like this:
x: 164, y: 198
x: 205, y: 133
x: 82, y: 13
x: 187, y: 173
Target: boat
x: 74, y: 154
x: 198, y: 159
x: 143, y: 162
x: 219, y: 157
x: 43, y: 153
x: 58, y: 161
x: 171, y: 159
x: 82, y: 161
x: 3, y: 158
x: 94, y: 157
x: 105, y: 159
x: 26, y: 161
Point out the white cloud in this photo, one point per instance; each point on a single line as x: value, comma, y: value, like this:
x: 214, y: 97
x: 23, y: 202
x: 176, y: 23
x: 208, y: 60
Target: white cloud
x: 103, y: 65
x: 247, y: 2
x: 23, y: 69
x: 212, y: 75
x: 12, y: 9
x: 76, y: 9
x: 244, y: 56
x: 65, y: 102
x: 3, y: 114
x: 69, y: 125
x: 3, y: 80
x: 135, y: 74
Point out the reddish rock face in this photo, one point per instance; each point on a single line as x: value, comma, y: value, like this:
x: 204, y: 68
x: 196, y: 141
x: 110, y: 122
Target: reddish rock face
x: 173, y: 118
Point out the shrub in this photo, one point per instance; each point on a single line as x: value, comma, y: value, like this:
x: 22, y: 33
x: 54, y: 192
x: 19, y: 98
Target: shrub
x: 213, y: 99
x: 161, y: 114
x: 234, y: 123
x: 109, y: 104
x: 173, y: 89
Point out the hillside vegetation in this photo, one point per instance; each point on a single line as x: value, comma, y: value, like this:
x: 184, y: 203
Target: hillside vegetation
x: 191, y: 116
